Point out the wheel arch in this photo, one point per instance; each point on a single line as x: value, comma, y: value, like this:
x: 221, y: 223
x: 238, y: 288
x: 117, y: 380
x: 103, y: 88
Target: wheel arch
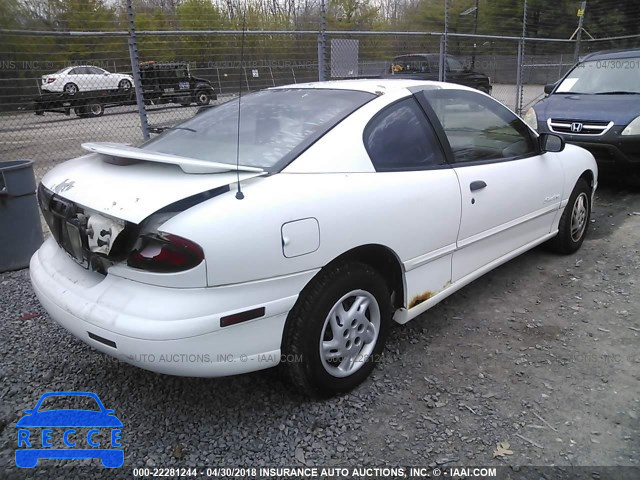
x: 302, y: 324
x: 589, y: 176
x: 382, y: 259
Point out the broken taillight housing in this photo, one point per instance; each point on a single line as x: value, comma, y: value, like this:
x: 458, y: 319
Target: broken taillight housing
x: 165, y: 253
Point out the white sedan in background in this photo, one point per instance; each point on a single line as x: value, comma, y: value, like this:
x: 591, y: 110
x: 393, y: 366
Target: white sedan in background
x: 339, y: 208
x: 83, y: 78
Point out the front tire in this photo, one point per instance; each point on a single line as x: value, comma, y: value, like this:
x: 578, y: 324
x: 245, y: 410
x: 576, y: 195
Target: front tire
x: 574, y: 222
x: 124, y: 85
x: 336, y: 332
x: 202, y: 97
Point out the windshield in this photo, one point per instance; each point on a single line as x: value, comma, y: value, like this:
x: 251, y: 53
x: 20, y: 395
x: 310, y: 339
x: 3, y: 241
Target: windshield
x: 621, y: 75
x: 275, y: 127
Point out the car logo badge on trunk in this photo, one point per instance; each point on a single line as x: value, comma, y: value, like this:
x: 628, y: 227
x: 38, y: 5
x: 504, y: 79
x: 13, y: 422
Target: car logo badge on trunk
x: 576, y: 127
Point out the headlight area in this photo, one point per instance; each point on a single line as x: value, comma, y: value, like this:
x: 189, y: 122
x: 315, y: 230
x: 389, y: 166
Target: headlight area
x: 531, y: 119
x: 633, y: 128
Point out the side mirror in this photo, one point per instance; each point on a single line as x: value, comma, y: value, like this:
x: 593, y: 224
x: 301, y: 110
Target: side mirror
x: 551, y: 143
x: 548, y: 88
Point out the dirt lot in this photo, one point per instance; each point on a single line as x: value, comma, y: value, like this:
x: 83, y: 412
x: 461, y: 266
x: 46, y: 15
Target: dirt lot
x: 541, y: 353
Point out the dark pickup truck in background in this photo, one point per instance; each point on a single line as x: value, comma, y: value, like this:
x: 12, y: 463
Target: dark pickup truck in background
x: 172, y: 82
x: 426, y: 66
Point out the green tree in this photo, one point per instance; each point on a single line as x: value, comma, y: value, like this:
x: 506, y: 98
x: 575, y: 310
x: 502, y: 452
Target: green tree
x: 352, y: 15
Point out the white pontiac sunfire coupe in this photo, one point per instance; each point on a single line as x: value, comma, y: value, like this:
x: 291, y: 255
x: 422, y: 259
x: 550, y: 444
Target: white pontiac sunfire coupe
x: 361, y: 202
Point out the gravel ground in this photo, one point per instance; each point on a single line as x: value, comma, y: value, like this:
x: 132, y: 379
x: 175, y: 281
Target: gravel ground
x: 541, y: 353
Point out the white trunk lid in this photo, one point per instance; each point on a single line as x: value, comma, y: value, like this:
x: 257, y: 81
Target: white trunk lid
x: 132, y: 192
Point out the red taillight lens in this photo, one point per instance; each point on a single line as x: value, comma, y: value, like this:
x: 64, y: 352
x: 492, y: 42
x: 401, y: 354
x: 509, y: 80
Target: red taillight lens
x: 51, y: 79
x: 165, y: 253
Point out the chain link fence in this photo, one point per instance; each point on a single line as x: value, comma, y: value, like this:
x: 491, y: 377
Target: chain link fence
x: 59, y: 89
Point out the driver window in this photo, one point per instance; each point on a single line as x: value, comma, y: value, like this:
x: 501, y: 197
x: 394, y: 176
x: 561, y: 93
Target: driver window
x: 479, y: 128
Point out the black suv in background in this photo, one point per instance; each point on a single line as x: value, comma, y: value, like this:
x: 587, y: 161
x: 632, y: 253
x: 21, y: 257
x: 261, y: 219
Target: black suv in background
x: 426, y: 66
x: 172, y: 82
x: 596, y: 105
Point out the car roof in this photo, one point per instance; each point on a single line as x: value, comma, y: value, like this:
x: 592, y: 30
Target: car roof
x: 372, y: 85
x: 612, y: 54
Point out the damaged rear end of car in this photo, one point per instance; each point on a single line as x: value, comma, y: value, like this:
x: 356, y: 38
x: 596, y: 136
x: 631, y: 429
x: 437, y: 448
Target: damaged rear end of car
x: 115, y: 277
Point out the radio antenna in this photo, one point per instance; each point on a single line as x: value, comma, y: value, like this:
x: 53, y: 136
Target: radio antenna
x: 239, y: 194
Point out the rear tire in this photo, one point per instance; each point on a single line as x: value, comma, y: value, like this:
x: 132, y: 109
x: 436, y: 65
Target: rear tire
x: 336, y: 332
x: 70, y: 88
x: 124, y: 85
x: 574, y: 222
x: 94, y: 110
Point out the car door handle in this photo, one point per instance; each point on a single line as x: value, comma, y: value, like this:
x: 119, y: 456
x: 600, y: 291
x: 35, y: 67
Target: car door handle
x: 477, y: 185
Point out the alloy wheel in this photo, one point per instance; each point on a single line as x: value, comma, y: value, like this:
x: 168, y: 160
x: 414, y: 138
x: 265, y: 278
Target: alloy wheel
x: 349, y: 333
x: 579, y: 217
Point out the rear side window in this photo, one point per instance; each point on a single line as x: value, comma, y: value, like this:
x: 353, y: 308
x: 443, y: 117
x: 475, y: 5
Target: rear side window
x: 401, y: 138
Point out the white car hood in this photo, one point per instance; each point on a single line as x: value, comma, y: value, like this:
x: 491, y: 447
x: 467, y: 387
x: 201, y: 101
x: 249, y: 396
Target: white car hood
x: 131, y: 192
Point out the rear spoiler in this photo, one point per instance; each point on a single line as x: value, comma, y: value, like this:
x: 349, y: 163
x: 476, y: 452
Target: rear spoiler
x: 188, y: 165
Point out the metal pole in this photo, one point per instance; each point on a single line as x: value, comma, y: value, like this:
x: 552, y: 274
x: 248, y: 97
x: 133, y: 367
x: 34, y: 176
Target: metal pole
x: 475, y: 32
x: 322, y: 43
x: 519, y: 81
x: 579, y: 34
x: 443, y: 44
x: 135, y: 68
x: 441, y: 59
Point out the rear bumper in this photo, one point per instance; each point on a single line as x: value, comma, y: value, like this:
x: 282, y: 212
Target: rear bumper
x: 167, y: 330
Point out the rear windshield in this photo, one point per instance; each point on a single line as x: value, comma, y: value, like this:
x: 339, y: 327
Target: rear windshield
x: 275, y: 127
x: 619, y: 75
